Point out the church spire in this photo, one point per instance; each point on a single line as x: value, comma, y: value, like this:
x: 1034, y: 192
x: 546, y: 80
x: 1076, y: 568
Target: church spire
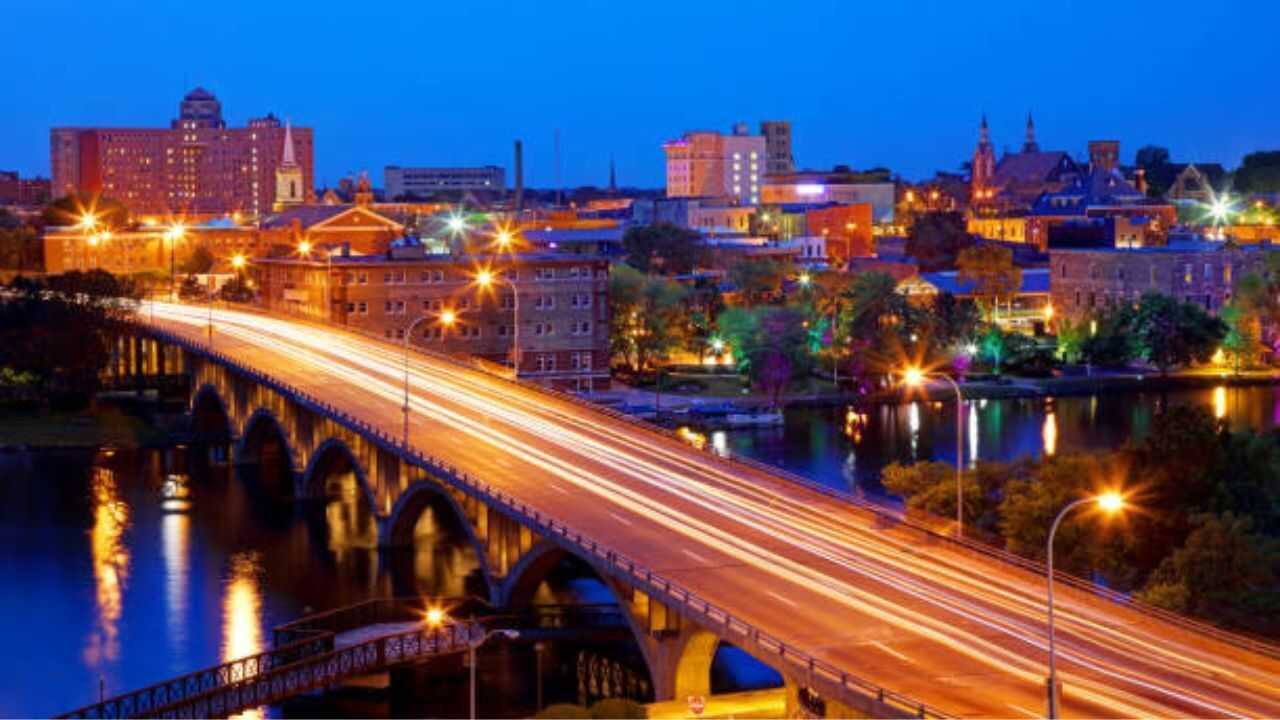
x: 984, y: 136
x: 613, y: 176
x: 1030, y: 145
x: 290, y: 158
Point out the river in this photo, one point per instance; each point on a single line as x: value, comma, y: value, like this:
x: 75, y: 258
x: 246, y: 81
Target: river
x: 109, y: 587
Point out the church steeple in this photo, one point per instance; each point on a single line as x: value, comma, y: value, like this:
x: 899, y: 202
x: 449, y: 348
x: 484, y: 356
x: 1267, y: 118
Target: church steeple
x: 1030, y: 145
x: 613, y: 176
x: 983, y: 167
x: 289, y: 178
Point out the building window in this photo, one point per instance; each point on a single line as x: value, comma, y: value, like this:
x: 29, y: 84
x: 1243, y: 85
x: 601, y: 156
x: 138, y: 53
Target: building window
x: 546, y: 362
x: 580, y: 361
x: 1154, y: 276
x: 362, y: 278
x: 580, y: 300
x: 1186, y: 274
x: 545, y: 302
x: 543, y: 329
x: 1226, y: 273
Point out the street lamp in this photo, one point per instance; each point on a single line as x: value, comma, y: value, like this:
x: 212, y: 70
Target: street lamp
x: 1110, y: 503
x: 437, y: 617
x: 304, y: 248
x: 486, y: 279
x: 446, y: 318
x: 915, y: 377
x: 172, y: 236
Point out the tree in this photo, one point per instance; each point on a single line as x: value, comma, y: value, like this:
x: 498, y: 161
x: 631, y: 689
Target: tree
x: 758, y: 279
x: 1240, y: 344
x: 663, y: 248
x: 1223, y: 566
x: 994, y: 276
x: 1109, y: 338
x: 108, y: 214
x: 881, y: 322
x: 1170, y: 332
x: 936, y: 239
x: 1259, y: 172
x: 199, y: 262
x: 769, y: 345
x: 952, y: 322
x: 20, y: 248
x: 647, y: 315
x: 236, y: 290
x: 1154, y: 161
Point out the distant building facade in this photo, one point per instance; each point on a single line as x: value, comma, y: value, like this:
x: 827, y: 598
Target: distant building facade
x: 406, y: 182
x: 778, y: 159
x: 820, y: 187
x: 17, y: 191
x: 710, y: 164
x: 1088, y: 280
x: 198, y: 165
x: 563, y: 301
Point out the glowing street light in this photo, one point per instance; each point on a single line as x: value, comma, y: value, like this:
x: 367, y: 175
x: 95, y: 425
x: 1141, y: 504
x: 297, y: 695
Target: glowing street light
x: 914, y: 377
x: 457, y: 224
x: 88, y: 221
x: 435, y: 617
x: 805, y: 279
x: 1109, y: 503
x: 304, y: 248
x: 486, y: 278
x: 448, y: 318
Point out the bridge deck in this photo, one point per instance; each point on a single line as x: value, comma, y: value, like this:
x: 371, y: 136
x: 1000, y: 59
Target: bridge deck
x: 890, y: 603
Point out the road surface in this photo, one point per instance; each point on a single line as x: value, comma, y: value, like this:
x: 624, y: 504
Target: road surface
x: 883, y: 601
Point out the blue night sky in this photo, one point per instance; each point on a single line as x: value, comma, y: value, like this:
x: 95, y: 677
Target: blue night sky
x: 453, y: 83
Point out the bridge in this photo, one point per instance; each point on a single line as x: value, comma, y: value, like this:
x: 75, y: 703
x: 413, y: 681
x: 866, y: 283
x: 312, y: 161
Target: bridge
x: 862, y: 612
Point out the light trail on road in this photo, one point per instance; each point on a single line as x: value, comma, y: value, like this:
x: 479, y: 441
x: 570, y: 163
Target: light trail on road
x: 961, y: 632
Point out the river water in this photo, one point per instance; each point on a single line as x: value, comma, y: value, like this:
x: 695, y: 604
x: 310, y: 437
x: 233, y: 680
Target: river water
x: 109, y: 587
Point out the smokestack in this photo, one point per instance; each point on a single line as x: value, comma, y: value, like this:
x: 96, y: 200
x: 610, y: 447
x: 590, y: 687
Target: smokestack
x: 519, y: 181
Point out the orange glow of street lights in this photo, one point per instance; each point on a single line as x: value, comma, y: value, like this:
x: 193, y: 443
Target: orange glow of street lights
x: 88, y: 221
x: 434, y: 617
x: 304, y: 248
x: 913, y: 377
x: 448, y: 317
x: 237, y: 261
x: 1110, y: 502
x: 484, y: 278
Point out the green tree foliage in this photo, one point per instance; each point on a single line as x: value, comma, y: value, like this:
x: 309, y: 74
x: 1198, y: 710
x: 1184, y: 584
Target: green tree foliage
x: 199, y: 262
x: 759, y: 280
x: 1259, y: 172
x: 1109, y: 338
x: 648, y: 318
x: 952, y: 323
x: 108, y: 214
x: 58, y: 330
x: 1170, y: 332
x: 1224, y: 570
x: 1240, y: 344
x: 664, y: 248
x: 1071, y: 340
x: 936, y: 239
x: 770, y: 345
x: 994, y: 276
x: 881, y: 322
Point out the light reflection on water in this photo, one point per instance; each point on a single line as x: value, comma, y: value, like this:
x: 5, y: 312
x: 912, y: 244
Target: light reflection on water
x: 242, y: 613
x: 110, y: 557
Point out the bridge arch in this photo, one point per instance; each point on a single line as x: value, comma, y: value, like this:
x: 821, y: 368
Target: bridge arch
x: 210, y: 419
x: 519, y: 589
x: 428, y: 496
x: 264, y: 442
x: 333, y: 455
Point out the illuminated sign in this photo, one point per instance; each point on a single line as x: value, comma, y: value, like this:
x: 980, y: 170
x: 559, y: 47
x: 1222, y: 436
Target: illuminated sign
x: 810, y: 189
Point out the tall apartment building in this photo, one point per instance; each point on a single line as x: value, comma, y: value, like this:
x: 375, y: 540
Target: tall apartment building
x: 777, y: 142
x: 709, y: 164
x: 422, y: 182
x: 197, y: 165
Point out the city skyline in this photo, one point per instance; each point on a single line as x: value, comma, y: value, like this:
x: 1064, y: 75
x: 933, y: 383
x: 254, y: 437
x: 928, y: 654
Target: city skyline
x: 409, y: 92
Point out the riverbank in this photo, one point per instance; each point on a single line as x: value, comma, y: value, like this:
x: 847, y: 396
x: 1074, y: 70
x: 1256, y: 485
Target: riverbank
x: 103, y: 423
x: 815, y: 392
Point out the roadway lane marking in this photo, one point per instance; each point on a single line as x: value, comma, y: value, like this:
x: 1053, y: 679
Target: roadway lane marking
x: 893, y: 652
x: 557, y: 488
x: 695, y: 556
x: 1024, y: 711
x: 619, y: 518
x: 786, y: 600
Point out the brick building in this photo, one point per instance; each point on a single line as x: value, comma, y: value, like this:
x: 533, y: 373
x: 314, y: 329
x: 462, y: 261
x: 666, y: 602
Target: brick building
x: 846, y: 230
x: 197, y: 165
x: 563, y: 303
x: 17, y: 191
x: 1085, y: 280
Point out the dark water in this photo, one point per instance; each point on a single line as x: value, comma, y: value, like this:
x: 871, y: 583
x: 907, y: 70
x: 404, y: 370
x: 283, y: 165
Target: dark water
x: 841, y: 450
x: 103, y: 581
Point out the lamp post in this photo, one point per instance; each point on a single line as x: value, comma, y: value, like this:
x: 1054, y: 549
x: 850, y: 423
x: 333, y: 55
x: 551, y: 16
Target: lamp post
x: 915, y: 377
x: 1108, y: 502
x: 435, y: 617
x: 172, y: 236
x: 446, y: 318
x: 486, y: 279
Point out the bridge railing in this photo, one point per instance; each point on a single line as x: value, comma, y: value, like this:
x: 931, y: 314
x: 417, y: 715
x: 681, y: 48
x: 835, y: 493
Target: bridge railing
x: 152, y: 699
